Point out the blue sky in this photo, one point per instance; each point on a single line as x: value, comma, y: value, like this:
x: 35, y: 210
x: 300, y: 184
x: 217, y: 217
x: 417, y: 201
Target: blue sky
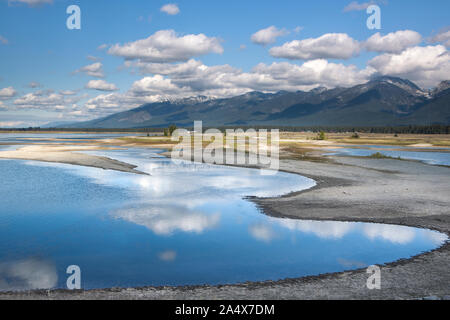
x: 210, y: 51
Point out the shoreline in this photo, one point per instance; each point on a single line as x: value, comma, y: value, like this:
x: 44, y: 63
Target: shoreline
x: 417, y: 277
x: 66, y: 155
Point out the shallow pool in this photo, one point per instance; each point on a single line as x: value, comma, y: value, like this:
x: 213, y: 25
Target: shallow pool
x: 430, y: 157
x: 185, y: 224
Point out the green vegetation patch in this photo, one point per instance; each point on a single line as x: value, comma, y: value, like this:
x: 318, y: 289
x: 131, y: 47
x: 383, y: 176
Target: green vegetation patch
x: 379, y: 155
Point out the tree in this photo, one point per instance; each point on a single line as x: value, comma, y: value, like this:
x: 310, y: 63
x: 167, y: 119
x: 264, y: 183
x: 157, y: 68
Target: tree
x: 321, y: 136
x: 172, y: 128
x: 169, y: 131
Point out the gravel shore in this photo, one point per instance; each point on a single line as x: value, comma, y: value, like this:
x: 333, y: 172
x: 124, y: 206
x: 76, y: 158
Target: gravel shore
x: 349, y: 189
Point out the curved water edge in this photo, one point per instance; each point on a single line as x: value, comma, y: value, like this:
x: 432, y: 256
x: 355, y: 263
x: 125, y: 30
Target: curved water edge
x: 439, y: 157
x: 183, y: 225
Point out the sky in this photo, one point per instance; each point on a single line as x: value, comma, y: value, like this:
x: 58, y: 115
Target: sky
x: 127, y: 53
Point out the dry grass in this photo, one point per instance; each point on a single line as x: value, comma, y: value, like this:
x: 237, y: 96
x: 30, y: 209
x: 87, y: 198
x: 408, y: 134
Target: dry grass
x: 146, y: 140
x: 294, y: 151
x: 303, y: 146
x: 373, y: 138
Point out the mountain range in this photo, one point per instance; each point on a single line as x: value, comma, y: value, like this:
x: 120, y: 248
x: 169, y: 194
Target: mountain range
x: 384, y: 101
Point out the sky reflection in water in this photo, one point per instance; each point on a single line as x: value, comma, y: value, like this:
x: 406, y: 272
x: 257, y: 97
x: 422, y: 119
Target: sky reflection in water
x: 184, y: 224
x: 434, y: 158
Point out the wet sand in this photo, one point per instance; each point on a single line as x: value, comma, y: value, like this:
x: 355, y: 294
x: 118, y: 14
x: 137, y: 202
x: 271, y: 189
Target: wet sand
x: 67, y: 155
x: 348, y: 189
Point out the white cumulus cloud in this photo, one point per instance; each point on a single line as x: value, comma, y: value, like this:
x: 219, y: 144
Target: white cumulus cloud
x: 394, y: 42
x: 166, y: 81
x: 442, y: 37
x: 195, y: 78
x: 268, y: 35
x: 101, y: 85
x: 426, y: 66
x: 93, y: 70
x: 107, y: 103
x: 46, y: 100
x: 167, y: 46
x: 356, y: 6
x: 328, y: 46
x: 171, y: 9
x: 7, y: 93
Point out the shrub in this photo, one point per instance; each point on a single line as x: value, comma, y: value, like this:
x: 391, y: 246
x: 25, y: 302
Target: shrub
x: 321, y: 136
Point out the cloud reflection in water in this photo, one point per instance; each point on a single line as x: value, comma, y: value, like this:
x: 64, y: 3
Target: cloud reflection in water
x: 337, y: 230
x: 27, y: 274
x: 165, y: 220
x: 262, y: 232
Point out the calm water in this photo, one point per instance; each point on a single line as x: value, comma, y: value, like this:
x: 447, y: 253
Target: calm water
x: 27, y: 138
x: 185, y: 224
x: 430, y: 157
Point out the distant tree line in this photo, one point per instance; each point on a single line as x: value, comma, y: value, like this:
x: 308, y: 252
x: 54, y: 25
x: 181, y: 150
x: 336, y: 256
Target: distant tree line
x: 412, y: 129
x: 432, y: 129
